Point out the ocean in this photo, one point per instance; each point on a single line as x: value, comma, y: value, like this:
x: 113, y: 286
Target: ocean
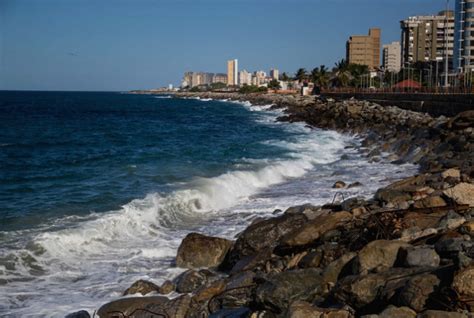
x: 98, y: 189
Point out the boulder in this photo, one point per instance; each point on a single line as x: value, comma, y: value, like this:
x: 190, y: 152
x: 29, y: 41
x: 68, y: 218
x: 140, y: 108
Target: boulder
x: 359, y: 291
x: 312, y: 230
x: 264, y: 235
x: 332, y: 271
x: 468, y: 228
x: 417, y: 291
x: 167, y: 287
x: 397, y: 312
x: 441, y: 314
x: 339, y: 185
x: 380, y: 254
x: 462, y: 193
x: 141, y: 287
x: 463, y: 282
x: 78, y: 314
x: 451, y: 173
x: 420, y: 256
x: 197, y: 250
x: 302, y: 309
x: 430, y: 202
x: 281, y: 289
x: 133, y: 306
x: 392, y: 196
x: 191, y: 280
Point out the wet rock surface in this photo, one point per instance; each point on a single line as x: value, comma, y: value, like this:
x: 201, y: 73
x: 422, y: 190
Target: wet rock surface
x: 406, y: 252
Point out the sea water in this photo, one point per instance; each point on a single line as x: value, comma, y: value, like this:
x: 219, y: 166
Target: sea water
x: 97, y: 190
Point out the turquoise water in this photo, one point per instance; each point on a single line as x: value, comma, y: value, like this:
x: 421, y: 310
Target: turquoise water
x: 98, y: 189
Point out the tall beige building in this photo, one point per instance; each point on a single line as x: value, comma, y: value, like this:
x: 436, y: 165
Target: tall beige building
x: 232, y: 73
x: 426, y: 38
x: 274, y: 74
x: 392, y: 57
x: 364, y: 49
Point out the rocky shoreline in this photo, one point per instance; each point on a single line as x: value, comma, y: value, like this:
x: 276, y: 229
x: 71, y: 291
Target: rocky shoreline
x: 407, y: 252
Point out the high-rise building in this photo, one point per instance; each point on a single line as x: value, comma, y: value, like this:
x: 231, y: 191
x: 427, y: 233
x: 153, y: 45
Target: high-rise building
x: 232, y: 73
x: 219, y: 78
x: 274, y: 74
x: 259, y: 78
x: 245, y: 78
x: 428, y: 38
x: 464, y: 35
x: 192, y: 79
x: 364, y: 49
x: 392, y: 57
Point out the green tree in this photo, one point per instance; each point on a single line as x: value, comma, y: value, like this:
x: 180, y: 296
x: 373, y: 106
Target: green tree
x: 274, y: 84
x: 320, y: 76
x: 195, y: 89
x: 341, y: 76
x: 284, y: 77
x: 301, y: 75
x: 218, y: 85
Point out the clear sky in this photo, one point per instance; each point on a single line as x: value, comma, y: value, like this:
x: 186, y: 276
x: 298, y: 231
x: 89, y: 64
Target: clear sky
x: 121, y: 45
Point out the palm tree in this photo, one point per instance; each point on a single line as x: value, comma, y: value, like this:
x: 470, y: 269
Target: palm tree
x: 320, y: 76
x: 341, y: 74
x: 301, y: 75
x: 284, y: 77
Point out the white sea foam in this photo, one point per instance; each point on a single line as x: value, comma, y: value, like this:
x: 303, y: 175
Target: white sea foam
x: 162, y: 96
x: 92, y: 262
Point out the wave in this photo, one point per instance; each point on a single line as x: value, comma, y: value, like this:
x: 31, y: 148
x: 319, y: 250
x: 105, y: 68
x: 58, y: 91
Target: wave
x: 162, y: 96
x: 98, y: 252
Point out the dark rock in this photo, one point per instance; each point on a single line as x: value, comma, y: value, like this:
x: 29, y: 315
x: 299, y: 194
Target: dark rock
x: 339, y: 185
x: 167, y: 287
x: 354, y: 185
x: 380, y: 255
x: 333, y: 270
x: 311, y: 260
x: 158, y: 304
x: 253, y: 261
x: 417, y: 291
x: 313, y: 229
x: 243, y: 312
x: 419, y: 256
x: 197, y: 250
x: 279, y: 290
x: 143, y: 287
x: 264, y: 235
x: 449, y: 246
x: 397, y: 312
x: 191, y: 280
x: 441, y: 314
x: 78, y: 314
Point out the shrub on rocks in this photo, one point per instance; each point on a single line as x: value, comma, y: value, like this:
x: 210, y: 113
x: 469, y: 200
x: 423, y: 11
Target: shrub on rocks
x: 197, y: 250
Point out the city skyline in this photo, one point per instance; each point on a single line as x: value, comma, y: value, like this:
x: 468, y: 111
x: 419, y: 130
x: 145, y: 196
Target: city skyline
x: 65, y: 51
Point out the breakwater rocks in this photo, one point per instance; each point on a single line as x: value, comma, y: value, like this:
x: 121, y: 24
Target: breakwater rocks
x: 407, y: 252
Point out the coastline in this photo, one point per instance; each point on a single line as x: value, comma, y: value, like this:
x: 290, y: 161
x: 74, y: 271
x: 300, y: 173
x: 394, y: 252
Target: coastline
x: 318, y: 261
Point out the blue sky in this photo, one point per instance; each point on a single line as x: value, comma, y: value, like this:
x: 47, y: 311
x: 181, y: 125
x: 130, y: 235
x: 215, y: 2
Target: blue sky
x: 122, y: 45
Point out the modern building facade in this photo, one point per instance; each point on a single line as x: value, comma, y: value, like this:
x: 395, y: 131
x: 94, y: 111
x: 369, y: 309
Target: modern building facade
x: 464, y: 36
x: 364, y: 49
x: 219, y: 78
x: 245, y: 78
x: 428, y: 38
x: 232, y: 73
x: 193, y: 79
x: 392, y: 57
x: 274, y: 74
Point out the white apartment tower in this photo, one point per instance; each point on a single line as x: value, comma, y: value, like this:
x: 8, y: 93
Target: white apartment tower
x: 232, y: 72
x: 464, y: 36
x: 392, y: 57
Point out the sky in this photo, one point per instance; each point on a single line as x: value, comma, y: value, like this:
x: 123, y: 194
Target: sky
x: 118, y: 45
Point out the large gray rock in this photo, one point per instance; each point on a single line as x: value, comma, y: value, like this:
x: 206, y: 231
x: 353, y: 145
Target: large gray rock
x: 197, y: 250
x: 176, y: 308
x: 279, y: 290
x: 264, y: 235
x: 417, y: 291
x: 78, y: 314
x: 141, y: 287
x: 397, y: 312
x: 462, y: 193
x: 314, y: 229
x: 332, y: 271
x: 441, y: 314
x: 420, y: 256
x: 380, y: 255
x: 192, y: 279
